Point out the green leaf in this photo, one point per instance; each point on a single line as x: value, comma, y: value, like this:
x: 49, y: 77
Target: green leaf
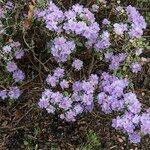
x: 79, y: 44
x: 65, y: 93
x: 25, y: 142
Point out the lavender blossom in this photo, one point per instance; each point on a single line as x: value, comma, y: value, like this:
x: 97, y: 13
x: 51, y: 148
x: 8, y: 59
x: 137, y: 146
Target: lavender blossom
x: 14, y: 92
x: 115, y: 60
x: 11, y: 66
x: 136, y: 67
x: 106, y: 22
x: 103, y: 42
x: 137, y: 22
x: 64, y: 84
x: 77, y: 64
x: 59, y: 73
x: 19, y: 54
x: 62, y: 48
x: 3, y: 94
x: 134, y: 138
x: 43, y: 103
x: 7, y: 49
x: 120, y: 28
x: 18, y: 75
x: 52, y: 80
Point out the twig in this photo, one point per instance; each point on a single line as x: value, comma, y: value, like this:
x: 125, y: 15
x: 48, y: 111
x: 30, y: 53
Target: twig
x: 91, y: 65
x: 23, y: 116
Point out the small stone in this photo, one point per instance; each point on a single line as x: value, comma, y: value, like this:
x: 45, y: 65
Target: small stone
x: 120, y: 140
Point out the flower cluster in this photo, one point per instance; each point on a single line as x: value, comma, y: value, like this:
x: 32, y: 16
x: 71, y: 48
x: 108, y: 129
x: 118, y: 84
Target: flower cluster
x: 137, y: 22
x: 9, y: 52
x: 134, y: 123
x: 52, y: 16
x: 81, y: 21
x: 102, y: 42
x: 3, y: 9
x: 61, y: 49
x: 77, y: 20
x: 105, y: 21
x: 12, y: 93
x: 77, y: 64
x: 136, y: 67
x: 68, y: 104
x: 115, y: 60
x: 114, y: 98
x: 111, y: 97
x: 12, y: 50
x: 68, y: 97
x: 119, y: 29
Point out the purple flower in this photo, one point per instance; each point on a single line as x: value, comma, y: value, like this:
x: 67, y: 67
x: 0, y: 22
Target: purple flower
x: 52, y: 16
x: 124, y: 122
x: 87, y: 99
x: 101, y: 97
x: 18, y: 75
x: 64, y: 84
x: 93, y: 79
x: 135, y: 18
x: 65, y: 103
x: 103, y: 42
x: 120, y: 28
x: 78, y: 8
x: 87, y: 87
x: 136, y: 67
x: 56, y: 97
x: 77, y: 64
x: 43, y: 103
x: 9, y: 5
x: 109, y: 56
x: 61, y: 49
x: 78, y: 109
x: 134, y: 138
x: 145, y: 122
x: 106, y: 22
x: 15, y: 44
x: 59, y: 72
x: 115, y: 60
x: 14, y: 92
x: 135, y: 32
x: 77, y: 86
x: 19, y: 54
x: 112, y: 92
x: 51, y: 80
x: 47, y: 94
x: 7, y: 49
x: 137, y: 22
x: 81, y: 21
x: 11, y: 66
x: 51, y: 109
x: 3, y: 94
x: 70, y: 116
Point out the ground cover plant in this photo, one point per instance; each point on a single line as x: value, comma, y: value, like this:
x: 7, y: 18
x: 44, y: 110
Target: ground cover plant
x: 67, y: 64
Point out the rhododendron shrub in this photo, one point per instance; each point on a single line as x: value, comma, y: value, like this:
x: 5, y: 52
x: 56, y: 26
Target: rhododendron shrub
x: 69, y: 97
x: 78, y: 42
x: 11, y: 52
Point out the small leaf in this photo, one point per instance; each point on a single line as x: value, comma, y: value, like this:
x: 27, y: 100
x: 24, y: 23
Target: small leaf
x: 25, y: 142
x: 79, y: 44
x: 65, y: 93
